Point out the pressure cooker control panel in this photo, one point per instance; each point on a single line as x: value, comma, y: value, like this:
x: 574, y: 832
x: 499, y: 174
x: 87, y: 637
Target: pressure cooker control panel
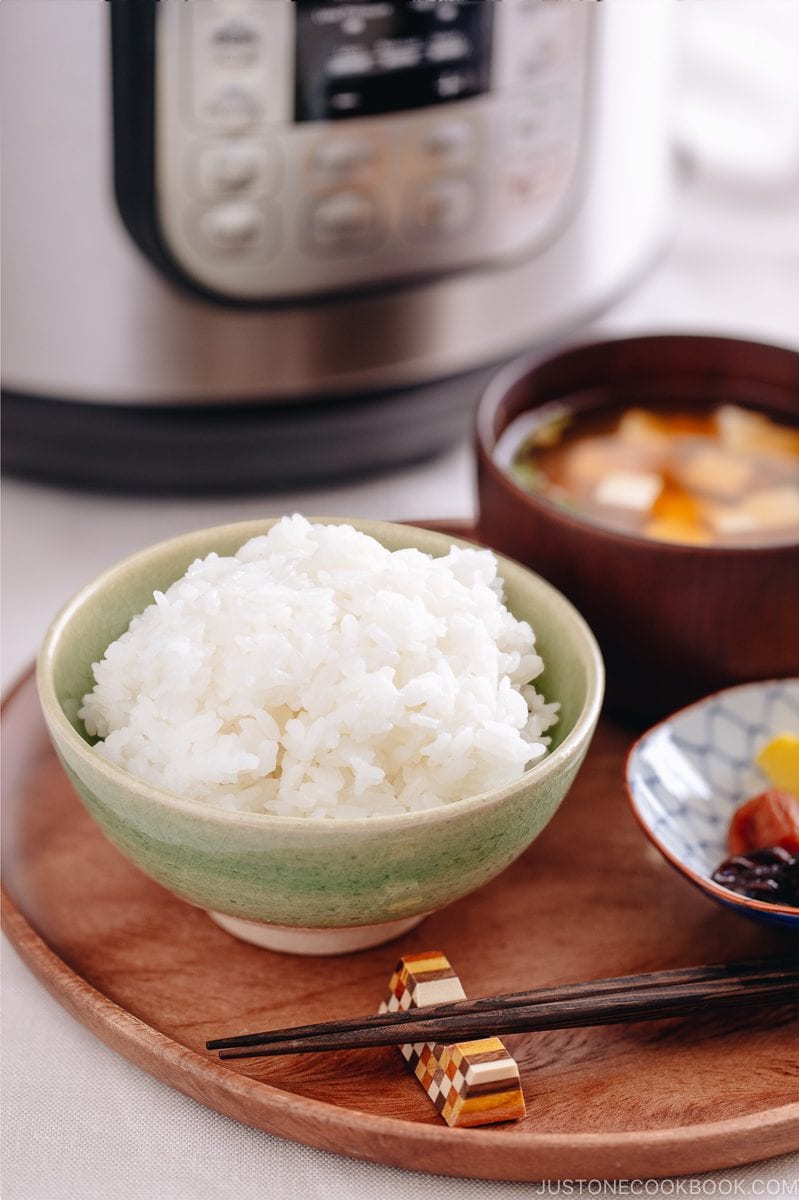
x: 302, y: 147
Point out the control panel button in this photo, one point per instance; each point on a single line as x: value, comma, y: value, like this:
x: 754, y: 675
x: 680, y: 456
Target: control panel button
x: 541, y: 182
x: 445, y: 206
x: 339, y: 158
x: 232, y: 226
x: 535, y: 121
x: 345, y: 103
x: 446, y: 10
x: 236, y: 167
x: 351, y: 60
x: 399, y: 55
x: 235, y: 43
x: 548, y: 42
x: 449, y: 141
x: 233, y: 109
x: 343, y: 218
x: 447, y: 47
x: 353, y: 25
x: 451, y: 84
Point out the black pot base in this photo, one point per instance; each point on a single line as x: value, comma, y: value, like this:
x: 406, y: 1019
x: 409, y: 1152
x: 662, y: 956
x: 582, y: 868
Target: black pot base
x: 233, y: 447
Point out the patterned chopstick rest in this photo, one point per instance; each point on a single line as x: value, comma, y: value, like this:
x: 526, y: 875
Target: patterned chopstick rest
x: 471, y: 1083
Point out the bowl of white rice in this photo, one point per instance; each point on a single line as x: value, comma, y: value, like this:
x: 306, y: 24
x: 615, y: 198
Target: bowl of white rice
x: 320, y: 730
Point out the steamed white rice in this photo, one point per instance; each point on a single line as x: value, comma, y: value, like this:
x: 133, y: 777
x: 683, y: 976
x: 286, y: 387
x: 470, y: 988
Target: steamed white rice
x: 315, y: 673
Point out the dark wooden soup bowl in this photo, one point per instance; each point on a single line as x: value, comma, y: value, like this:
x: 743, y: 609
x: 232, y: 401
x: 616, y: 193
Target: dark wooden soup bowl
x: 673, y: 621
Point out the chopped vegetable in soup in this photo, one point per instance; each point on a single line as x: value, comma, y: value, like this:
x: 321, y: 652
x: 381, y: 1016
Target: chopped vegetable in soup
x: 726, y: 477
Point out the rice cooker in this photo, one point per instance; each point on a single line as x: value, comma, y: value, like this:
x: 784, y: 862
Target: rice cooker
x: 253, y: 242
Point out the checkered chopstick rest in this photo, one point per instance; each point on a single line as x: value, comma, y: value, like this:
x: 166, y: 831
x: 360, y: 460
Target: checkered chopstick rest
x: 470, y: 1083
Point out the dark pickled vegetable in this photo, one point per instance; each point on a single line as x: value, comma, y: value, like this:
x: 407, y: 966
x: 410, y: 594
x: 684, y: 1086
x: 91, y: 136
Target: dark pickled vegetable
x: 771, y: 874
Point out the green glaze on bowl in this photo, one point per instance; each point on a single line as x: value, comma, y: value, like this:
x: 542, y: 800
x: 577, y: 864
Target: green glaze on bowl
x: 310, y: 872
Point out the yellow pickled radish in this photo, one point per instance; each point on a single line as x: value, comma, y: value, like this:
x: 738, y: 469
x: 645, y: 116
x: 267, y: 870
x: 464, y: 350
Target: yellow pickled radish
x: 779, y: 758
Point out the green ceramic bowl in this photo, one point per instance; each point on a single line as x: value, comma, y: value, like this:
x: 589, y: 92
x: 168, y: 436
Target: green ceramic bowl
x: 305, y: 884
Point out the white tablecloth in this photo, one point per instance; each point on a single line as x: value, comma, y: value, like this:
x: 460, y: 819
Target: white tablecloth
x: 80, y: 1123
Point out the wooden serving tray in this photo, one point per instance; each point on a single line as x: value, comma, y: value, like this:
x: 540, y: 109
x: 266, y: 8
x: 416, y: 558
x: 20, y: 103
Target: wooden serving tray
x: 154, y: 978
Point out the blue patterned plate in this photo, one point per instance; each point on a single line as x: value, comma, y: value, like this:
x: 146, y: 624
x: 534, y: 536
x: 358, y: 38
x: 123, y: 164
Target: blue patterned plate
x: 687, y: 775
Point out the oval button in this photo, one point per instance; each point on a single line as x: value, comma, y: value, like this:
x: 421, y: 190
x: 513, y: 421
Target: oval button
x: 341, y: 157
x: 232, y: 226
x: 236, y: 166
x: 233, y: 109
x: 444, y: 206
x: 449, y: 141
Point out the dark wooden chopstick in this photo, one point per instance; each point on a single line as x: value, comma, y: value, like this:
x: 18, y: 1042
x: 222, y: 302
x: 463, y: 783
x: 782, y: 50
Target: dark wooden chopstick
x: 564, y: 991
x: 626, y: 998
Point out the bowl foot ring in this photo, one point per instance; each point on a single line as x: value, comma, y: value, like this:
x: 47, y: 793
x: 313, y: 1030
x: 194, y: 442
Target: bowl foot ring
x: 294, y: 939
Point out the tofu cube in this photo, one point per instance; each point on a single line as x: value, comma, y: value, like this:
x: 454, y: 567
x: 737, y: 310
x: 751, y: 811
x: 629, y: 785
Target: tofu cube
x: 645, y: 430
x: 716, y: 472
x: 635, y: 491
x: 774, y: 508
x: 731, y: 520
x: 743, y: 430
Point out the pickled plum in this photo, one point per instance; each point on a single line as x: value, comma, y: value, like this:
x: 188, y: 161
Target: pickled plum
x: 770, y: 819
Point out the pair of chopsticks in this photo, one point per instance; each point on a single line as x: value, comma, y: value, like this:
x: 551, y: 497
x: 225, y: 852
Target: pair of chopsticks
x: 659, y: 994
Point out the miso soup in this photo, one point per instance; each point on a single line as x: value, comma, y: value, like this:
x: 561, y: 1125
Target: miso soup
x: 726, y: 477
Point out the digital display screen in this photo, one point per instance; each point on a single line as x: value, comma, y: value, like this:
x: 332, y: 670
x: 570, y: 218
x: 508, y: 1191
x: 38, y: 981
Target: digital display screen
x: 357, y: 58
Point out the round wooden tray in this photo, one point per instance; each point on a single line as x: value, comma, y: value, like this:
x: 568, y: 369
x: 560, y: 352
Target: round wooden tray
x: 154, y: 978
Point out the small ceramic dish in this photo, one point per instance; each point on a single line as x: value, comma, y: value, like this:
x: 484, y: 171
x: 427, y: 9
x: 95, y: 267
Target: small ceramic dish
x: 303, y: 884
x: 686, y: 777
x: 674, y: 621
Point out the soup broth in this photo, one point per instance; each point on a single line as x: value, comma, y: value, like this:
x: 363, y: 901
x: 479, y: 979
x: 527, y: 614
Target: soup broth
x: 725, y: 477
